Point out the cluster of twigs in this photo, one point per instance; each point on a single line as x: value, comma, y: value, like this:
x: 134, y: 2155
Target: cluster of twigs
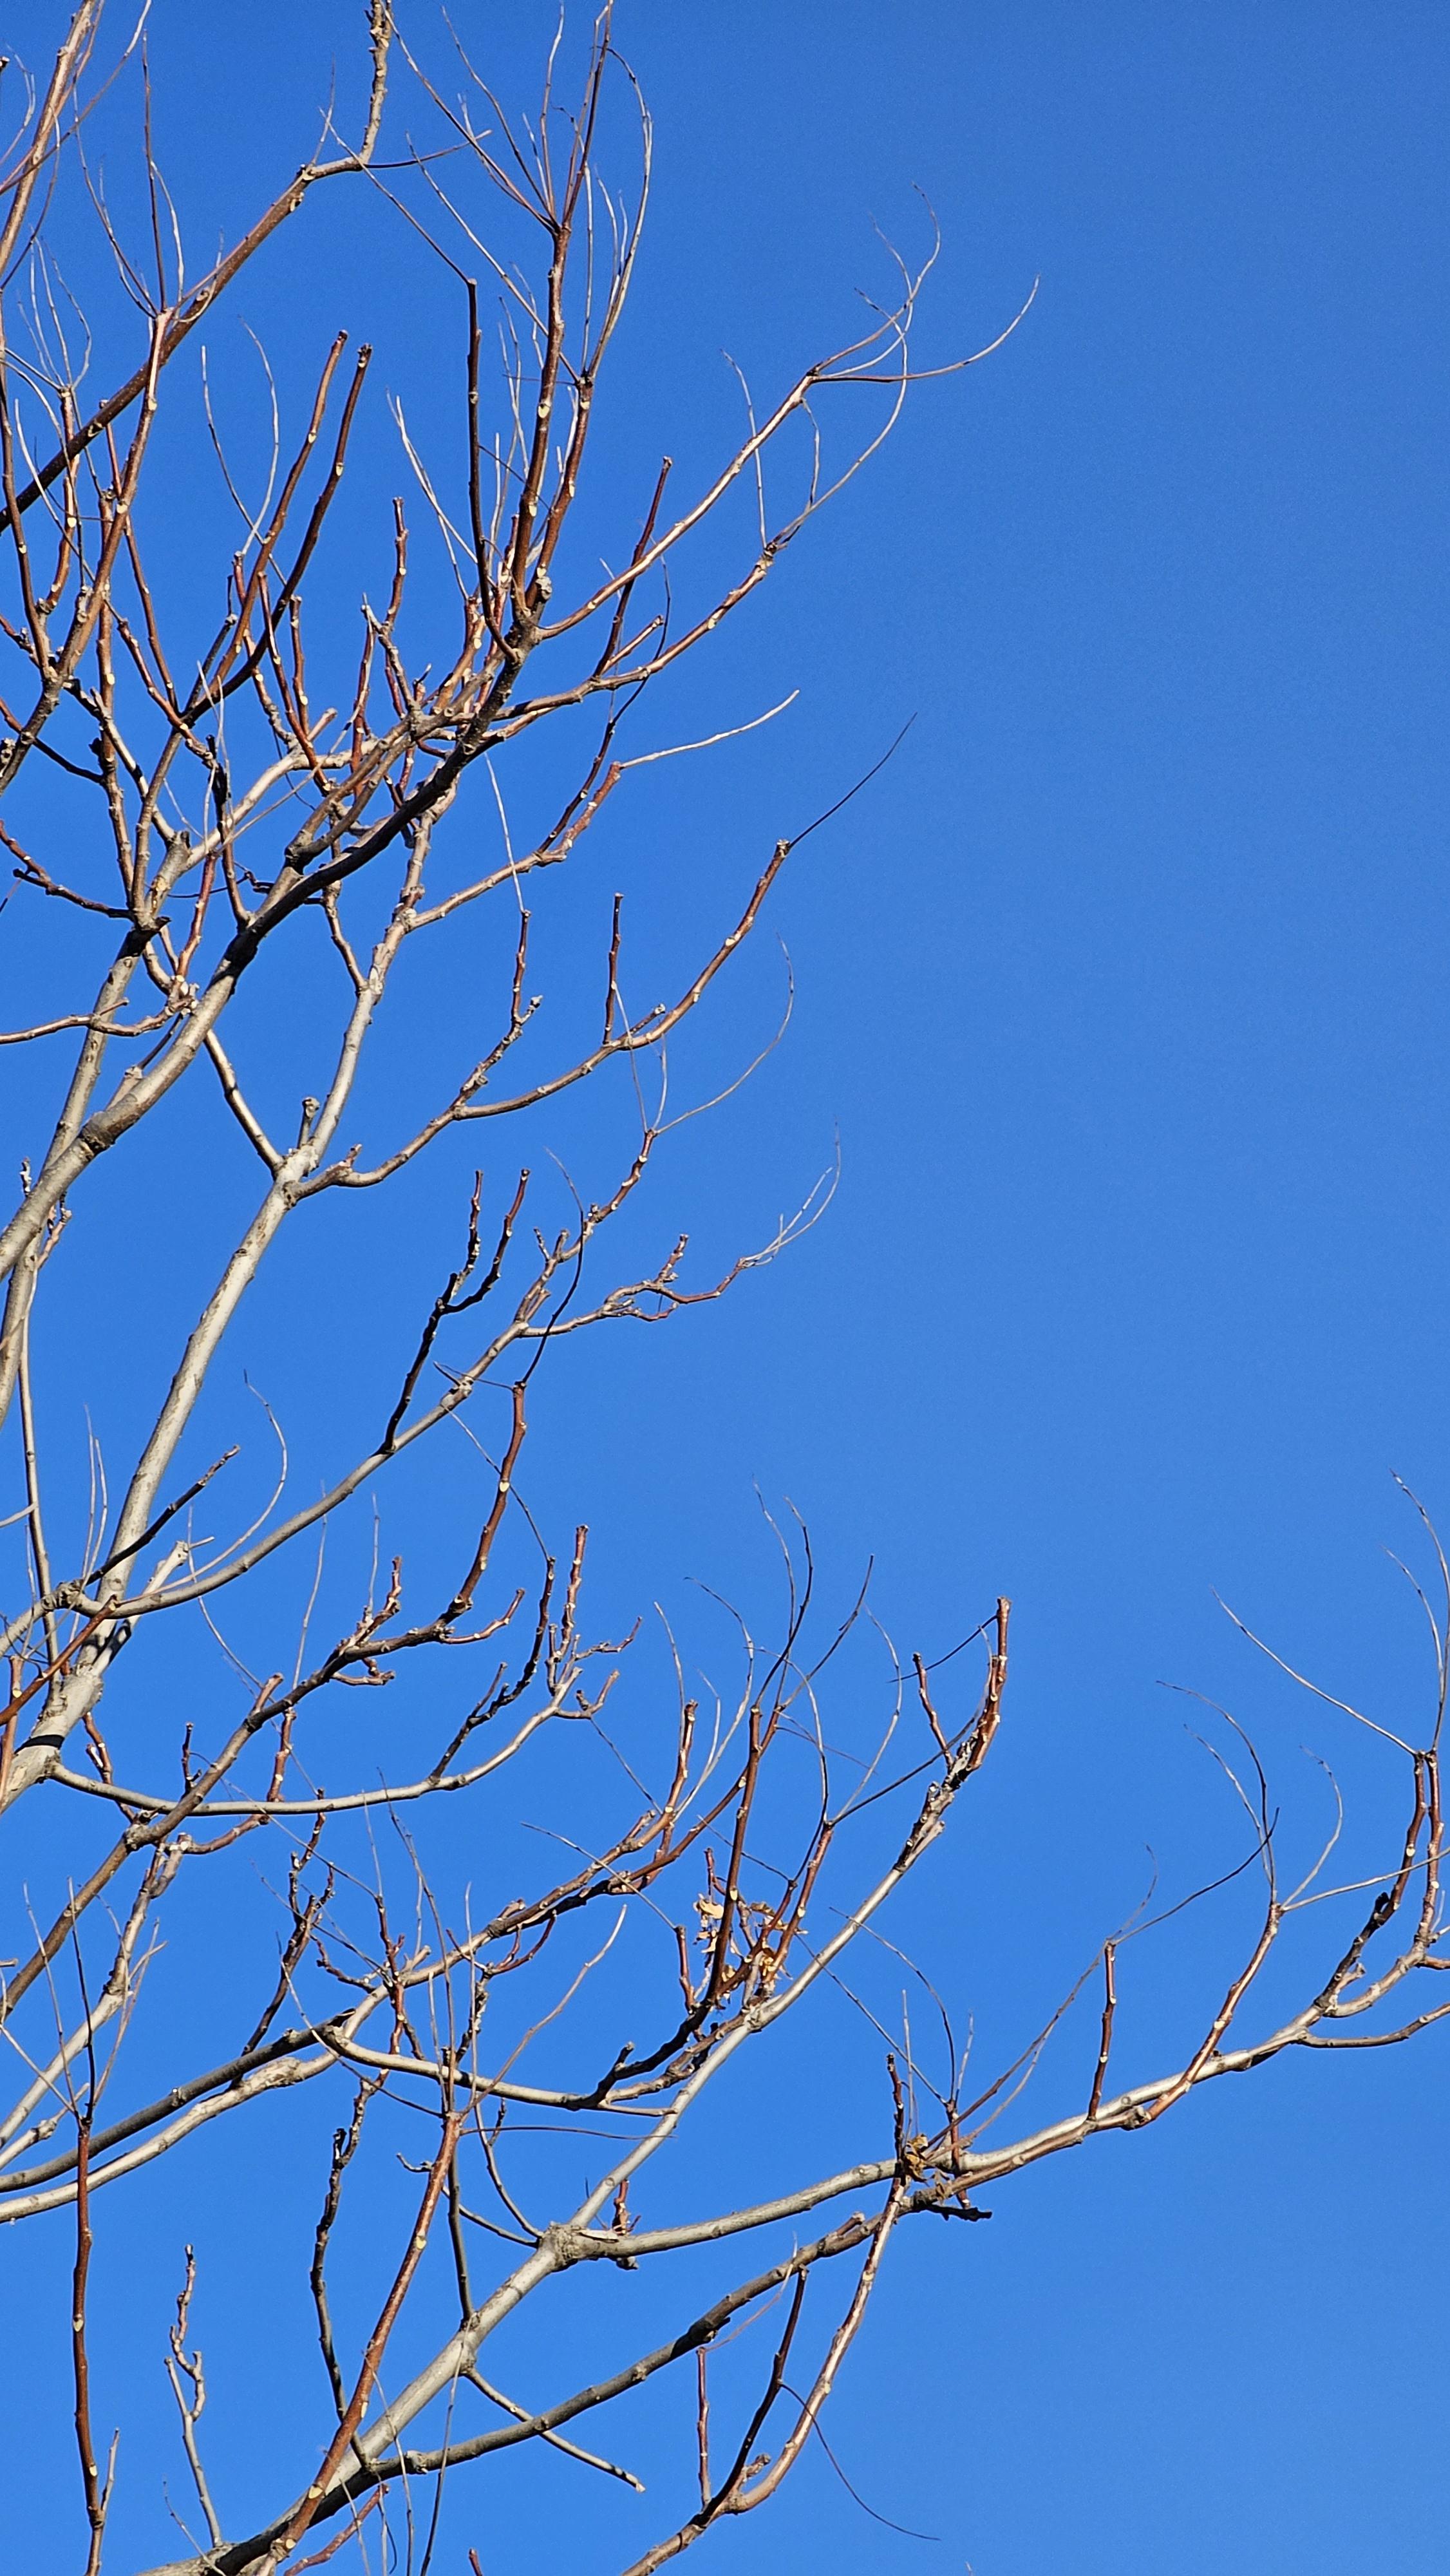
x: 235, y: 812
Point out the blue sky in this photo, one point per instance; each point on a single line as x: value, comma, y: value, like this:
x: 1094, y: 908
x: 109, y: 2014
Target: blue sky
x: 1124, y: 990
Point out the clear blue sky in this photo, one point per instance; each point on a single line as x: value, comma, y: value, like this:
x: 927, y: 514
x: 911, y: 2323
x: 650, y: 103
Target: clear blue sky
x: 1126, y: 989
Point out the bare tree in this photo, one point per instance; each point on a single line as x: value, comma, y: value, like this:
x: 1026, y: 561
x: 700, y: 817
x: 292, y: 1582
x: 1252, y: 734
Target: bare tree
x: 215, y: 791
